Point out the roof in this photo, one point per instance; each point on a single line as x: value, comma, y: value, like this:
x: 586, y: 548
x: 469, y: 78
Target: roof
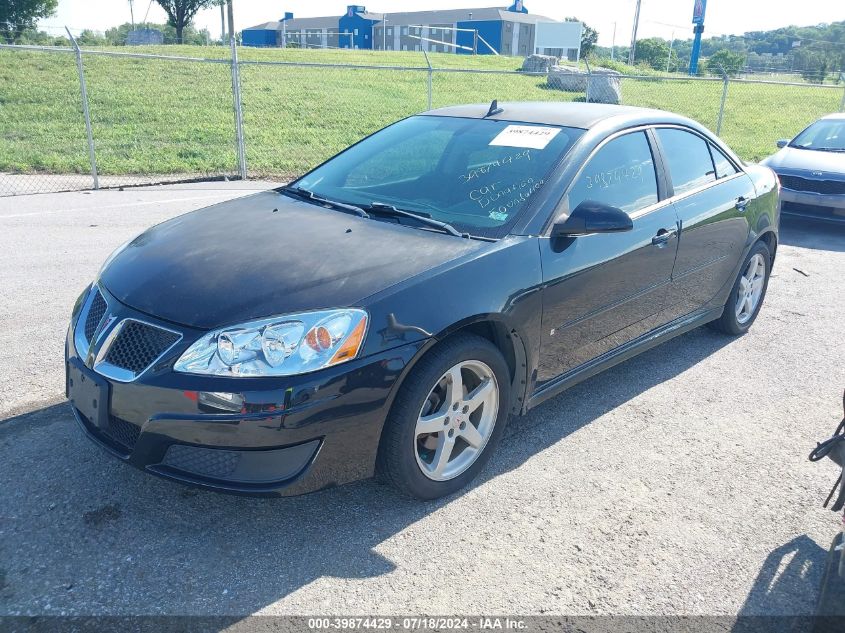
x: 327, y: 22
x: 451, y: 16
x: 266, y: 26
x: 566, y: 114
x: 411, y: 18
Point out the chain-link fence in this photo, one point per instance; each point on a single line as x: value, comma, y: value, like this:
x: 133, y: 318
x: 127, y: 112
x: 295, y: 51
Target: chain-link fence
x: 150, y: 118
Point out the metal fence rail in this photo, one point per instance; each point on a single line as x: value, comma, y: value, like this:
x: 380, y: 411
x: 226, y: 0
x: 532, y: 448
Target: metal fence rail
x: 81, y: 119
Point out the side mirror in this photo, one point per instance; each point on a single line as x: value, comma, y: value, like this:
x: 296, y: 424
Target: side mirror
x: 593, y: 217
x: 782, y: 143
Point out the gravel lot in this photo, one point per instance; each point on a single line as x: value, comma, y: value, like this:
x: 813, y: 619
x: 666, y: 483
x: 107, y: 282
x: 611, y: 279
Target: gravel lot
x: 676, y: 483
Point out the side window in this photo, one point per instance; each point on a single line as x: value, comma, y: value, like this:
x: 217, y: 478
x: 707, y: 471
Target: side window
x: 688, y: 158
x: 724, y: 167
x: 621, y: 174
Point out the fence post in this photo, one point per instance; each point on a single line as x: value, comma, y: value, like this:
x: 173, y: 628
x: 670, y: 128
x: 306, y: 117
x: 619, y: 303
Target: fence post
x: 842, y: 109
x: 92, y: 155
x: 589, y: 79
x: 239, y: 117
x: 724, y: 99
x: 430, y: 73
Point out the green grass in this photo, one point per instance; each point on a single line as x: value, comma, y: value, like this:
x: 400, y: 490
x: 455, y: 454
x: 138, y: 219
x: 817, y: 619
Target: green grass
x: 169, y: 117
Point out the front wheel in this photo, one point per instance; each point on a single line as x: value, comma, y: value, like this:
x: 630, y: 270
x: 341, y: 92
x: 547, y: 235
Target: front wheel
x: 748, y: 292
x: 447, y: 418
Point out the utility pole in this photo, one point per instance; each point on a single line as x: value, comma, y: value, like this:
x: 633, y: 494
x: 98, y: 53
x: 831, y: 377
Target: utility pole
x: 384, y: 32
x: 613, y: 45
x: 222, y: 24
x: 132, y: 14
x: 231, y: 13
x: 632, y: 54
x: 671, y: 44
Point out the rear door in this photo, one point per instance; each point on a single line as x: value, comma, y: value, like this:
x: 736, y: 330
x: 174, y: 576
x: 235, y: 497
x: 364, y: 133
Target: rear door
x: 603, y: 290
x: 710, y: 195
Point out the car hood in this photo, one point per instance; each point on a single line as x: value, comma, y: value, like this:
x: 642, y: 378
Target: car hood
x: 791, y: 160
x: 265, y: 255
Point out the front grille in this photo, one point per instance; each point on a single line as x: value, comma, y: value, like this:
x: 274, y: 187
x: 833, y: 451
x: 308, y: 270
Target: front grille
x: 95, y: 314
x: 137, y: 345
x: 123, y: 432
x: 827, y: 187
x: 122, y: 435
x: 209, y: 462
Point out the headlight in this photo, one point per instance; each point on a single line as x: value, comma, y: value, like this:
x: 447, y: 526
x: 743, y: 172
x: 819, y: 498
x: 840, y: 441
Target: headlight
x: 278, y: 346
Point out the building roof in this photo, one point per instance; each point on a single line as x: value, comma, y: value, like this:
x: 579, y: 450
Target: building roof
x: 451, y: 16
x: 412, y: 18
x: 378, y: 17
x: 327, y: 22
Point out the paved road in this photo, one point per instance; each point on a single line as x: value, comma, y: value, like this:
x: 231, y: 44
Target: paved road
x: 676, y: 483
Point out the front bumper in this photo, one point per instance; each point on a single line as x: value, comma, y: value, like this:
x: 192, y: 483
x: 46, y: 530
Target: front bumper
x: 820, y: 206
x: 292, y: 435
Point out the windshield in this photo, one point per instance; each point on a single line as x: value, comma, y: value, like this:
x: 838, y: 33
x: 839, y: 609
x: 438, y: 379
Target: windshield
x: 822, y: 135
x: 474, y: 174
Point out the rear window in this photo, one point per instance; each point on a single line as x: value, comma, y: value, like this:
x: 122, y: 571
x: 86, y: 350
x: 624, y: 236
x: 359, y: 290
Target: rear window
x: 724, y: 167
x: 476, y: 174
x: 690, y: 163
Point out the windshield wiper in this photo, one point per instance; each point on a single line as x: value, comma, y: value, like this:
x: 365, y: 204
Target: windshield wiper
x: 307, y: 194
x: 817, y: 149
x: 389, y: 209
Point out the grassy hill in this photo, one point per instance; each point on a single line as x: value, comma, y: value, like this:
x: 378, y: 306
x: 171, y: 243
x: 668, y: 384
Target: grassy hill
x: 173, y: 117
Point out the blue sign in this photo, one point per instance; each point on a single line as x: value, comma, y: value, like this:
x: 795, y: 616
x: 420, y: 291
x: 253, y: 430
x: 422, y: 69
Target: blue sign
x: 698, y: 11
x: 517, y: 7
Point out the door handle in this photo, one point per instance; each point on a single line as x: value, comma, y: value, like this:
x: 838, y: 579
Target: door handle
x: 742, y: 203
x: 663, y: 236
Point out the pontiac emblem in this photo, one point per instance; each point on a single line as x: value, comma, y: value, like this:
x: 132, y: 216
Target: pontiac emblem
x: 106, y: 323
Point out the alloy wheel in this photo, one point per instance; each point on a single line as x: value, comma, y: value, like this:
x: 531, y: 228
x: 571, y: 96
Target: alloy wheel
x: 751, y: 285
x: 456, y: 420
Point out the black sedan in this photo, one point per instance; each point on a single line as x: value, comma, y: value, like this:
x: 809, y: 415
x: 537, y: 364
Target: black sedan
x: 387, y: 312
x: 811, y: 168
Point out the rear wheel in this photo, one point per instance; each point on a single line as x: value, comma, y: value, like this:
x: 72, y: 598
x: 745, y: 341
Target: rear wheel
x: 447, y: 418
x: 749, y: 291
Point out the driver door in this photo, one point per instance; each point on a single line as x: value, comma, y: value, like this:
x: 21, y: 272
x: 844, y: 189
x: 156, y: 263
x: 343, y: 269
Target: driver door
x: 604, y: 290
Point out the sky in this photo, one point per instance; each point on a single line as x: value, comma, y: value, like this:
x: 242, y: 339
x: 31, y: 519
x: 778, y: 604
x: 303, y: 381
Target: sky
x: 659, y: 18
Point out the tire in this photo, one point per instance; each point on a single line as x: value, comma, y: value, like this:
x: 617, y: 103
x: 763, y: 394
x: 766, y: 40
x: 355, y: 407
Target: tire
x: 466, y: 436
x: 735, y: 319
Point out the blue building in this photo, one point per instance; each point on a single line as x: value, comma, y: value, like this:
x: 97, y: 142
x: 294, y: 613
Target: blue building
x: 505, y: 31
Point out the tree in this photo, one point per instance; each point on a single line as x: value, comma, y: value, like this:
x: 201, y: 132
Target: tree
x: 17, y: 16
x: 726, y: 60
x: 181, y: 12
x: 653, y: 51
x: 589, y: 37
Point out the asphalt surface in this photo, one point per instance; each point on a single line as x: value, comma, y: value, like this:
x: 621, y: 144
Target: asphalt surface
x: 675, y: 483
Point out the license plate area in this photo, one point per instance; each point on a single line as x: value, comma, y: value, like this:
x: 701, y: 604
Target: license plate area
x: 89, y: 393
